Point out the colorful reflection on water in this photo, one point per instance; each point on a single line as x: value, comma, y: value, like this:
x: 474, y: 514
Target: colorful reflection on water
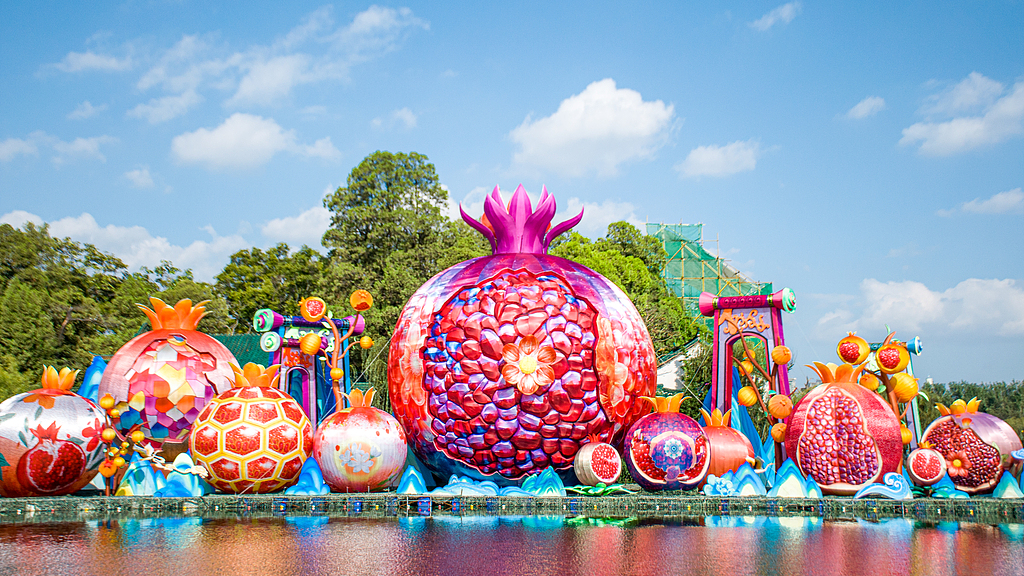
x: 508, y: 545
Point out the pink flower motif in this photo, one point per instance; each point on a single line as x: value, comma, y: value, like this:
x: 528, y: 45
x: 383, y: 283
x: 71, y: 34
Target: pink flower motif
x: 957, y: 465
x: 528, y: 365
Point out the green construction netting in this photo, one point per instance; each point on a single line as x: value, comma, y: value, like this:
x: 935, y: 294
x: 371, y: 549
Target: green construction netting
x: 691, y: 269
x: 245, y: 347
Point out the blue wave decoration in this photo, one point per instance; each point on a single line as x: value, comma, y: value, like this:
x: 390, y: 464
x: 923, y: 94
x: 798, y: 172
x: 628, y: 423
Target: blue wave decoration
x: 894, y: 486
x: 180, y: 483
x: 547, y: 483
x: 311, y: 481
x: 946, y: 489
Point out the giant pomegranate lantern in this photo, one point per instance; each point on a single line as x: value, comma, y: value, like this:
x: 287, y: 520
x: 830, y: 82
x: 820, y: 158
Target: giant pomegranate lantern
x: 165, y: 377
x: 976, y: 445
x: 502, y: 365
x: 843, y: 435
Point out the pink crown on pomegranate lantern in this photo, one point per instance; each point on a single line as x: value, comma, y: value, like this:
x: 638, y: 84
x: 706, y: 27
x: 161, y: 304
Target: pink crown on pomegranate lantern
x: 517, y: 227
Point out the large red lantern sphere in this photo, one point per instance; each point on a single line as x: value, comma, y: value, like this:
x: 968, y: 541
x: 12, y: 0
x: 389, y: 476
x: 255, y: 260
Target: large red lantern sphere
x: 503, y: 365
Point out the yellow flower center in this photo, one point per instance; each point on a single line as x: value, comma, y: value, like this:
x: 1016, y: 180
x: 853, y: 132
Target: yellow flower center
x: 527, y: 364
x: 957, y: 463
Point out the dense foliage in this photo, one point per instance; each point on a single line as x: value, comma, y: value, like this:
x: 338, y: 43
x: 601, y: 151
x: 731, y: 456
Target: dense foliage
x: 62, y: 301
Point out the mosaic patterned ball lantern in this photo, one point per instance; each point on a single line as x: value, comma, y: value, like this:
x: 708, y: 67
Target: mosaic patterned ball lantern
x: 165, y: 377
x: 360, y: 449
x: 254, y: 438
x: 50, y: 439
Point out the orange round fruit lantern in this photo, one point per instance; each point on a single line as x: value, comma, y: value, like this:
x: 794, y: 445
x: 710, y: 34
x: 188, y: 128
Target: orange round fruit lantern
x: 780, y: 406
x: 165, y: 377
x: 781, y: 355
x: 729, y: 449
x: 853, y: 349
x: 253, y: 438
x: 361, y: 300
x: 747, y: 396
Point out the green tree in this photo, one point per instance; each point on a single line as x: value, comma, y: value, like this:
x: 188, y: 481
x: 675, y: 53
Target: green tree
x: 388, y: 235
x: 274, y: 278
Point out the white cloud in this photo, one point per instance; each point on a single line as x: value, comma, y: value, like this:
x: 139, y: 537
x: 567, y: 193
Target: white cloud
x: 1000, y: 119
x: 307, y: 228
x: 720, y: 160
x: 402, y: 116
x: 322, y: 148
x: 867, y: 107
x: 80, y: 148
x: 596, y: 215
x: 1009, y: 202
x: 85, y: 110
x: 784, y: 14
x: 271, y: 80
x: 89, y: 60
x: 972, y: 93
x: 163, y: 109
x: 18, y: 218
x: 12, y: 147
x: 140, y: 177
x: 137, y: 247
x: 972, y: 306
x: 244, y: 141
x: 314, y: 51
x: 594, y: 131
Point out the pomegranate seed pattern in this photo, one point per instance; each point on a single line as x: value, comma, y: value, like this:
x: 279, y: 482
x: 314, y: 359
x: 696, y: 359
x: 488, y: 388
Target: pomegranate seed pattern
x: 926, y: 466
x: 597, y: 462
x: 50, y: 443
x: 835, y: 447
x: 843, y: 435
x: 949, y: 438
x: 849, y: 351
x: 250, y: 439
x: 479, y: 414
x: 503, y: 365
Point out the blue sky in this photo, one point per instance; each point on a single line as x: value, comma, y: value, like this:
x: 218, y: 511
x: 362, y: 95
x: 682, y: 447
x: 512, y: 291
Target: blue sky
x: 869, y: 156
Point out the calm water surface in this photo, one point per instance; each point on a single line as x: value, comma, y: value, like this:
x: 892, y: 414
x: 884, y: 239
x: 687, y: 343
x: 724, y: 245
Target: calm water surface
x: 507, y: 545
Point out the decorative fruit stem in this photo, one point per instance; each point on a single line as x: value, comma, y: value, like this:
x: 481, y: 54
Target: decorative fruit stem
x: 338, y: 340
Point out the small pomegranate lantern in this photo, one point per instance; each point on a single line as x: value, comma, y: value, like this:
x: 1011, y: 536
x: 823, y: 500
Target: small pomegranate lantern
x: 253, y: 438
x: 667, y: 450
x: 50, y: 439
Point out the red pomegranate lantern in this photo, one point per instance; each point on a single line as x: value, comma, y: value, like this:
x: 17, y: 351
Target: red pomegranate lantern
x: 165, y: 377
x: 50, y: 439
x: 667, y: 450
x: 597, y: 463
x: 976, y: 445
x: 842, y: 435
x: 254, y: 438
x: 925, y: 465
x: 729, y: 448
x: 360, y: 449
x: 503, y: 365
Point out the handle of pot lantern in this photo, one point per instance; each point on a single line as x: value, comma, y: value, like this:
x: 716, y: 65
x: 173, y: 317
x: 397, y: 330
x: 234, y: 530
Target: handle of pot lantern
x: 784, y: 299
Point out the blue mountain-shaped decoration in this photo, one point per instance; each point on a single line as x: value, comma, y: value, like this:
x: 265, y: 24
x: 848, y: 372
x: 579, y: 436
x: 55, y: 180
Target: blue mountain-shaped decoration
x: 412, y: 482
x: 311, y: 481
x: 547, y: 483
x: 141, y: 479
x: 790, y: 483
x: 946, y: 489
x: 1007, y: 487
x: 181, y: 484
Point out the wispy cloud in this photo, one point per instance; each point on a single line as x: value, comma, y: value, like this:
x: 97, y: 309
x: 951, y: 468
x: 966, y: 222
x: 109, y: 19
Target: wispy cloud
x: 140, y: 177
x: 783, y: 14
x: 594, y: 131
x: 305, y: 229
x: 1009, y: 202
x: 403, y: 117
x: 316, y: 50
x: 999, y: 116
x: 86, y: 110
x: 716, y: 161
x: 12, y: 147
x: 867, y: 107
x: 974, y: 305
x: 244, y: 141
x: 91, y: 61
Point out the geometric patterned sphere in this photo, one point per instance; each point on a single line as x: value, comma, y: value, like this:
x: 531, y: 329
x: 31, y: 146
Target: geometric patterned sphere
x: 252, y: 440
